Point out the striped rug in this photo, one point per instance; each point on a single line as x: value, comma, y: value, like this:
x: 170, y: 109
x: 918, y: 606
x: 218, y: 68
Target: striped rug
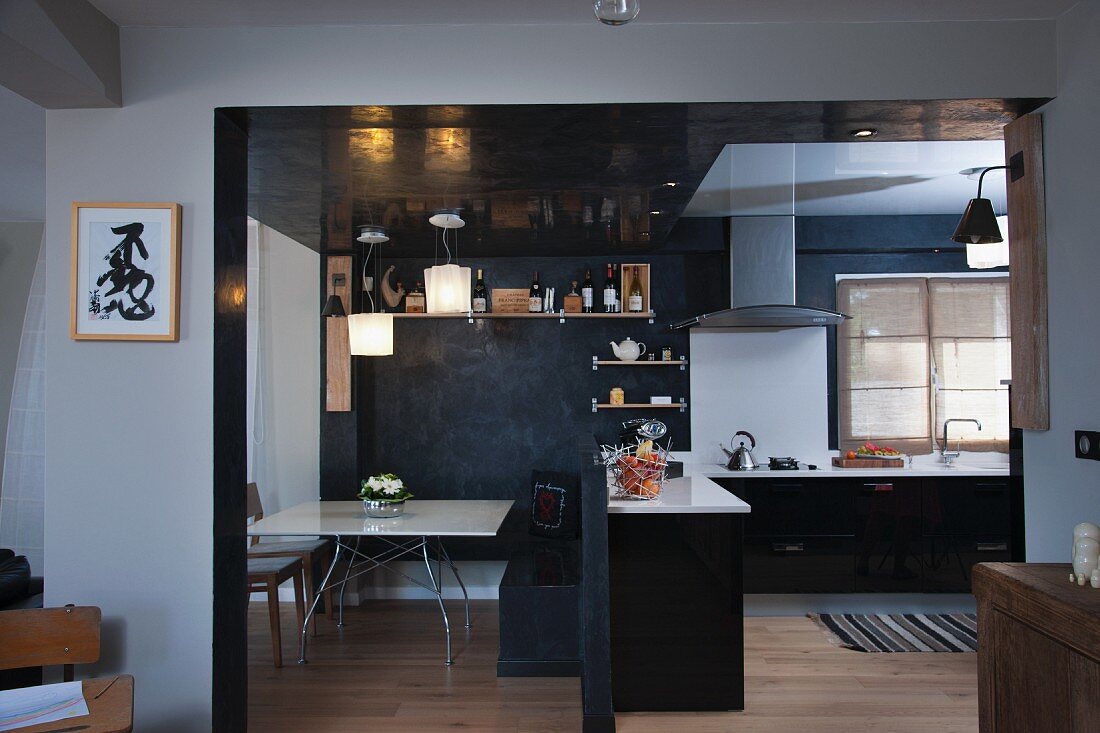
x: 908, y: 632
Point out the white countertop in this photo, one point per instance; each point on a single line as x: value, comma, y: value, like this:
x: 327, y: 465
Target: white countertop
x: 422, y: 517
x: 829, y: 471
x: 695, y: 493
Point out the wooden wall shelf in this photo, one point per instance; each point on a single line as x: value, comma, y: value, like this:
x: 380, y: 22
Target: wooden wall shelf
x: 597, y: 406
x: 597, y: 363
x: 561, y: 316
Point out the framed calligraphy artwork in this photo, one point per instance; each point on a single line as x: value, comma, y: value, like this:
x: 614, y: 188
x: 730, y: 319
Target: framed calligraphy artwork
x: 125, y: 272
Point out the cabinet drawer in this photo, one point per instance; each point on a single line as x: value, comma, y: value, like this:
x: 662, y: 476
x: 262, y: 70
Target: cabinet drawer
x: 967, y: 506
x: 888, y: 535
x: 799, y: 507
x: 948, y: 560
x: 798, y: 564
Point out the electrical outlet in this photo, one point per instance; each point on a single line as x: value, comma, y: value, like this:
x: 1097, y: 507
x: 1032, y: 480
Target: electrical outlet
x: 1086, y: 443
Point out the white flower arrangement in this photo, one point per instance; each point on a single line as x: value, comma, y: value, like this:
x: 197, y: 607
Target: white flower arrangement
x: 384, y: 487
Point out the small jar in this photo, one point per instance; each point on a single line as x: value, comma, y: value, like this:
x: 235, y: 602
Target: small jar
x: 618, y: 397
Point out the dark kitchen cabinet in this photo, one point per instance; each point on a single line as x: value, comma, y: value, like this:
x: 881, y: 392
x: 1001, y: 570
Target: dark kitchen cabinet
x: 872, y: 534
x: 967, y: 505
x: 798, y: 564
x: 888, y: 536
x: 949, y: 559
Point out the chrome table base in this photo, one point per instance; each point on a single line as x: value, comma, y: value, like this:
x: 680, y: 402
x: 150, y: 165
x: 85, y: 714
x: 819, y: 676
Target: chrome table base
x: 360, y: 563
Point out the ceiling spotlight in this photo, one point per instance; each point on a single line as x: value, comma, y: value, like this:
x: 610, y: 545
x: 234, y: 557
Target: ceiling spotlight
x: 864, y: 133
x: 371, y: 234
x: 655, y: 212
x: 615, y: 12
x: 671, y: 184
x: 447, y: 219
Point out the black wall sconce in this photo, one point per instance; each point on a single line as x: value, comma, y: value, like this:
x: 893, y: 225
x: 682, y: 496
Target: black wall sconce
x: 334, y: 307
x: 979, y: 223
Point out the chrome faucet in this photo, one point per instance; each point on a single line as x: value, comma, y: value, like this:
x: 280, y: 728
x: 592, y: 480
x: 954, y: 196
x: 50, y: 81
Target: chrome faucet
x: 945, y: 454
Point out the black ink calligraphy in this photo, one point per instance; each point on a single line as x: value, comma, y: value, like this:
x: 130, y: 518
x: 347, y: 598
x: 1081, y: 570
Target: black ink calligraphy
x: 132, y: 284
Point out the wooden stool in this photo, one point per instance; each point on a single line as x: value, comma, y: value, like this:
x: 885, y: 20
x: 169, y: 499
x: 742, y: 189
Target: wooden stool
x: 267, y: 573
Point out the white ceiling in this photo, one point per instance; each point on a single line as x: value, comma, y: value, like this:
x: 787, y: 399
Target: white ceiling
x: 848, y: 179
x: 190, y: 13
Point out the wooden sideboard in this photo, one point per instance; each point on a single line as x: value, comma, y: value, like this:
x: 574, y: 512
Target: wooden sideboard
x: 1038, y: 649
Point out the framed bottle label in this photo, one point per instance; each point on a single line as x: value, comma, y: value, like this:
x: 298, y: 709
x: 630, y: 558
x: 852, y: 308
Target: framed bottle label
x: 634, y: 303
x: 479, y: 305
x: 586, y: 297
x: 534, y: 304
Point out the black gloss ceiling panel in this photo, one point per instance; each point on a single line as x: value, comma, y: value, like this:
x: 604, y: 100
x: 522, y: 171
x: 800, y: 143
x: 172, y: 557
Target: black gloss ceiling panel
x: 541, y: 180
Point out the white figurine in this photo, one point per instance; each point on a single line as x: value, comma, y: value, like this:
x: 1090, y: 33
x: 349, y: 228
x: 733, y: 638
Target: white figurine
x: 1084, y: 530
x: 1094, y: 581
x: 1086, y: 552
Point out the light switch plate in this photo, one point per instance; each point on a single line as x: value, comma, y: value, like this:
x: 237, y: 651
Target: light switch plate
x: 1086, y: 444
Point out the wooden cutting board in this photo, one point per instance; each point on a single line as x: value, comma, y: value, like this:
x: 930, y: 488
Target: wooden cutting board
x: 839, y: 462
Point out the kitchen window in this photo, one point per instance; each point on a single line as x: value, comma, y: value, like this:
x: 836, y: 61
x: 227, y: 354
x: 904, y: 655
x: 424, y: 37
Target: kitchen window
x: 920, y: 350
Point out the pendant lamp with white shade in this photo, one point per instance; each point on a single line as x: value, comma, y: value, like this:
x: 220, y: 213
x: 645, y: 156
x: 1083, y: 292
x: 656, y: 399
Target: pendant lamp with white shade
x: 447, y: 286
x: 371, y: 334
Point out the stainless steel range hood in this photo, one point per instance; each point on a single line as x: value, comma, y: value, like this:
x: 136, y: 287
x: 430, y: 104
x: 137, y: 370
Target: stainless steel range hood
x: 762, y: 280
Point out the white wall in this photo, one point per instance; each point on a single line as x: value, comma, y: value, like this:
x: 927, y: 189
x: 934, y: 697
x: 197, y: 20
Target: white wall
x: 771, y: 383
x: 128, y: 519
x: 1061, y: 490
x: 22, y: 159
x: 283, y: 443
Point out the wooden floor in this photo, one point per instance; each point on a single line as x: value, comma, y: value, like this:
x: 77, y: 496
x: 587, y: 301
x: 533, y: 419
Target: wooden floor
x: 384, y: 672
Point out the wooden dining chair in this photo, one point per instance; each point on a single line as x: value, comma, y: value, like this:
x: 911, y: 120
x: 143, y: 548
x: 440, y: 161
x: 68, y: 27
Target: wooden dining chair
x: 266, y: 574
x: 309, y: 551
x: 46, y: 637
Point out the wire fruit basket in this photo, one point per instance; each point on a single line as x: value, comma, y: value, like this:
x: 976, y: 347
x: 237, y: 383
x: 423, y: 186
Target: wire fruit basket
x: 638, y: 471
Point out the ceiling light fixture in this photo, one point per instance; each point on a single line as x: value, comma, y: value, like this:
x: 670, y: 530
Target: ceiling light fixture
x: 864, y: 133
x: 615, y: 12
x: 655, y: 212
x: 671, y: 184
x: 372, y: 234
x: 446, y: 219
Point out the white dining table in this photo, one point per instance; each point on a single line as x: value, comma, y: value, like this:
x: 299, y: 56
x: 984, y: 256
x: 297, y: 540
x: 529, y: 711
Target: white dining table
x: 424, y: 523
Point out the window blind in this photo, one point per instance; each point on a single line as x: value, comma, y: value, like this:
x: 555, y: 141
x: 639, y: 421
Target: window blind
x: 918, y: 351
x: 969, y: 338
x: 883, y: 370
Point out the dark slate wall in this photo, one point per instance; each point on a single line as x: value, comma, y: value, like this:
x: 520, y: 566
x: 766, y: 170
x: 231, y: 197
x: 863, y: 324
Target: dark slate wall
x: 468, y: 410
x: 826, y: 246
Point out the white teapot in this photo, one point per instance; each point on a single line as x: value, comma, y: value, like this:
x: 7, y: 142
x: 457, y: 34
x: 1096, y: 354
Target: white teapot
x: 628, y: 349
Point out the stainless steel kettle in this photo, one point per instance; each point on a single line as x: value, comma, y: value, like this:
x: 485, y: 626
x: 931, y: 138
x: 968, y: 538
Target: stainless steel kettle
x: 741, y: 457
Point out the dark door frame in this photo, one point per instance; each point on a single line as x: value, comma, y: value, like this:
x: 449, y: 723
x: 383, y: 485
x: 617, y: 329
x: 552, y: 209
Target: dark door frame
x: 229, y: 697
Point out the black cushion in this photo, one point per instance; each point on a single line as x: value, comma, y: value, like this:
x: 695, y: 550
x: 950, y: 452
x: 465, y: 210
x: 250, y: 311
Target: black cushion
x: 555, y: 505
x: 15, y: 578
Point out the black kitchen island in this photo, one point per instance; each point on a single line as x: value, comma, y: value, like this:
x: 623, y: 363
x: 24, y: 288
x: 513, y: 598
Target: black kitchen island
x: 671, y: 637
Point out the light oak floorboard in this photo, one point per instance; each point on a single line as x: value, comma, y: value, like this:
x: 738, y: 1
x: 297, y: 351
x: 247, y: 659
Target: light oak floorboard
x: 384, y: 672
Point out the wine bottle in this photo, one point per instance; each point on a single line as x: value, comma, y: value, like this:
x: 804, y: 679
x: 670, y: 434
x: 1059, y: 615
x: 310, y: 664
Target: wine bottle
x: 586, y: 292
x: 609, y: 292
x: 534, y: 301
x: 480, y: 294
x: 617, y: 300
x: 634, y: 300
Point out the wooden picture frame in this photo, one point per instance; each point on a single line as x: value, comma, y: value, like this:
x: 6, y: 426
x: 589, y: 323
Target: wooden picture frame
x: 125, y: 276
